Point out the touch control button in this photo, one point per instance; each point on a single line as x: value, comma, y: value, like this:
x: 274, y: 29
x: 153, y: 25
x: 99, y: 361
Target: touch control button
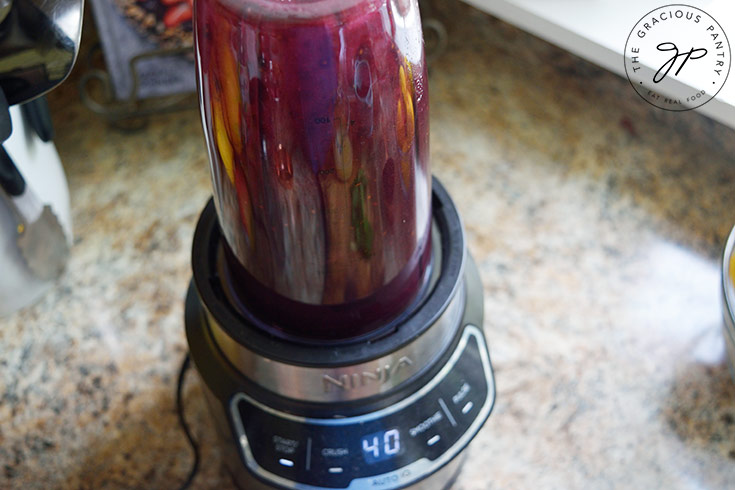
x: 335, y: 452
x: 285, y: 445
x: 468, y: 406
x: 426, y: 424
x: 461, y: 394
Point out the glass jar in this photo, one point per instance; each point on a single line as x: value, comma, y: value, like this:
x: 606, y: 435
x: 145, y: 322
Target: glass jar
x: 316, y: 119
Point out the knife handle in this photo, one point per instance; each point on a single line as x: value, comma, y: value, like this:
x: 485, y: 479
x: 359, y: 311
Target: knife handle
x: 38, y: 115
x: 11, y: 180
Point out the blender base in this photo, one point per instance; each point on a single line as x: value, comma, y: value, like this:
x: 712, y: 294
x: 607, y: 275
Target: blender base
x: 395, y: 412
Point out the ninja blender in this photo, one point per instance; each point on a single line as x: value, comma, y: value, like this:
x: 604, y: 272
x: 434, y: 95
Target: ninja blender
x: 335, y: 316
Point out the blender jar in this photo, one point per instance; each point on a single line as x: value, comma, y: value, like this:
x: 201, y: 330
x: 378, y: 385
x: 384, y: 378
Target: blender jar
x: 728, y: 299
x: 316, y: 120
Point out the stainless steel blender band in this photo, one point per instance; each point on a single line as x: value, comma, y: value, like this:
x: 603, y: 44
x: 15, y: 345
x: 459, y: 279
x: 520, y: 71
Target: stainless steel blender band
x: 345, y: 383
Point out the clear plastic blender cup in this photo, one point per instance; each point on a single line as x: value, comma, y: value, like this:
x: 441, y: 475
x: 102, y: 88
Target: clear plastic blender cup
x: 316, y: 119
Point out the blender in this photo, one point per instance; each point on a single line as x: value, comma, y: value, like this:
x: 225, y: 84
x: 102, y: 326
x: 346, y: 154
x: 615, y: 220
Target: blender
x: 335, y: 315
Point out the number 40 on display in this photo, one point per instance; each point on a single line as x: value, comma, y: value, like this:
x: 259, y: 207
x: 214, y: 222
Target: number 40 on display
x: 380, y: 446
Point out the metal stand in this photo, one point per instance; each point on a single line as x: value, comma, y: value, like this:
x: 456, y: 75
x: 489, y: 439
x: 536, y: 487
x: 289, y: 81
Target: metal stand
x: 97, y: 93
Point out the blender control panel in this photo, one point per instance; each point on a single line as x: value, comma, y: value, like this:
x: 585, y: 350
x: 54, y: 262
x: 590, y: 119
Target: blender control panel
x: 386, y: 449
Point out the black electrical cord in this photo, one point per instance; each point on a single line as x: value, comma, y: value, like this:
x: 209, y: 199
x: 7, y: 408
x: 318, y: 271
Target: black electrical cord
x: 184, y: 426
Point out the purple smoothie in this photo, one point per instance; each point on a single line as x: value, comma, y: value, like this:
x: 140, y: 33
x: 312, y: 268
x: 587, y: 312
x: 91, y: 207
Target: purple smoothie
x: 316, y: 119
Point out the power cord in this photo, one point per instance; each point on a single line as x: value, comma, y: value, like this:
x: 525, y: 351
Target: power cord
x: 180, y: 410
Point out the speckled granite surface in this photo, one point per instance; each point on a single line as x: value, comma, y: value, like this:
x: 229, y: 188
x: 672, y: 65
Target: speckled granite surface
x: 596, y: 221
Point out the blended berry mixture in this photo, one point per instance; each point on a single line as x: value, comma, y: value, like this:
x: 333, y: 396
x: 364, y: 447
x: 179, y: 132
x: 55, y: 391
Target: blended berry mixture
x: 316, y: 118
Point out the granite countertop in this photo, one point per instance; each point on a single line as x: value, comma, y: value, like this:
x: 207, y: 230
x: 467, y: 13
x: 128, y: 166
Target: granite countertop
x: 596, y: 221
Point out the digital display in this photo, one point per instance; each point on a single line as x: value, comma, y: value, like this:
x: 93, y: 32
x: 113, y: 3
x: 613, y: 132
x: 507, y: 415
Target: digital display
x: 380, y: 446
